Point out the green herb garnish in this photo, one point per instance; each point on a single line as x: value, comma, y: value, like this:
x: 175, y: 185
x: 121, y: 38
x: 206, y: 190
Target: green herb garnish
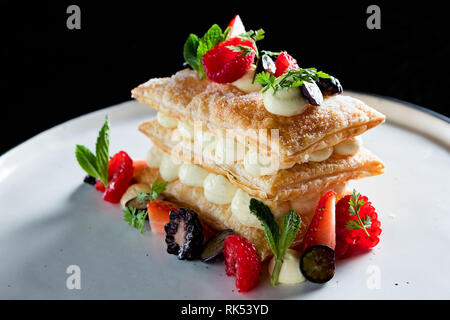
x: 134, y: 218
x: 96, y: 165
x: 278, y: 242
x: 291, y: 79
x: 195, y: 47
x: 355, y: 204
x: 249, y: 35
x: 155, y: 190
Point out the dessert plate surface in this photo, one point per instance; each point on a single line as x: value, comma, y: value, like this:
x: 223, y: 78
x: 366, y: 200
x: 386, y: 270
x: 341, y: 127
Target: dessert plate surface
x: 52, y: 223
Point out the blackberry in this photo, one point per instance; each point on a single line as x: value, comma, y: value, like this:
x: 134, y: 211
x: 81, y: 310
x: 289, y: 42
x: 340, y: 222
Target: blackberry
x: 184, y: 234
x: 90, y: 180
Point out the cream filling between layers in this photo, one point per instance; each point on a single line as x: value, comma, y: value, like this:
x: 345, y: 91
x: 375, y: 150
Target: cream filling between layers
x: 230, y: 150
x: 216, y: 188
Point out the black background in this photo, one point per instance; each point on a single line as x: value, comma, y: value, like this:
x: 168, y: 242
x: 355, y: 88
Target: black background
x: 52, y: 74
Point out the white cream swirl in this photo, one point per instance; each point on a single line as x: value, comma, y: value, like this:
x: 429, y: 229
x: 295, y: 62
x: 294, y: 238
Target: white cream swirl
x: 192, y: 175
x: 349, y: 146
x: 286, y: 103
x: 217, y: 189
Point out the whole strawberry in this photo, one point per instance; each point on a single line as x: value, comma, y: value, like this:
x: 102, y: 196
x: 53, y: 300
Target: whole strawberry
x: 229, y: 60
x: 357, y: 225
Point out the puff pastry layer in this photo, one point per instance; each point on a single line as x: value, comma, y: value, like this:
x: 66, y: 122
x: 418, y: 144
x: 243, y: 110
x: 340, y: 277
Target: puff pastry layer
x: 185, y: 97
x: 286, y: 184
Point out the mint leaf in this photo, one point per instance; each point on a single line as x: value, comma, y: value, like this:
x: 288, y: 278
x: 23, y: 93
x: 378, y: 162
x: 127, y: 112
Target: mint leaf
x: 210, y: 39
x: 195, y: 47
x: 270, y: 225
x: 102, y: 152
x: 289, y: 228
x: 87, y: 161
x: 278, y: 243
x: 96, y: 165
x: 190, y: 52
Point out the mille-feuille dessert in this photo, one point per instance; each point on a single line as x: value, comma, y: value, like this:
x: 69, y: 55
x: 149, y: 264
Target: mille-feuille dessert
x: 250, y: 158
x: 317, y: 131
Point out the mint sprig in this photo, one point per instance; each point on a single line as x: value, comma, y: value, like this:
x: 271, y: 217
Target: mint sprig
x: 291, y: 79
x: 278, y: 241
x: 96, y: 165
x: 195, y: 47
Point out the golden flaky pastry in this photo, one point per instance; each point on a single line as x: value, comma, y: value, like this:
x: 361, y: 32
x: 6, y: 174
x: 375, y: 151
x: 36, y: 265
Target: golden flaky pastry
x: 220, y: 217
x: 286, y: 184
x: 185, y: 97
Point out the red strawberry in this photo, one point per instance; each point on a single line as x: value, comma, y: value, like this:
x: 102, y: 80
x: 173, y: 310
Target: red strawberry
x: 242, y: 260
x: 237, y: 27
x: 99, y: 185
x: 223, y: 65
x: 322, y: 227
x: 353, y: 241
x: 158, y: 214
x: 284, y: 63
x: 120, y: 173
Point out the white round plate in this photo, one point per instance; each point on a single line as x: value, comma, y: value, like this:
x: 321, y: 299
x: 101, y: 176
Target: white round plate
x: 50, y: 221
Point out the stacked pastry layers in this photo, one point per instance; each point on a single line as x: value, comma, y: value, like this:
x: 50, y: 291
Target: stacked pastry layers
x: 217, y: 173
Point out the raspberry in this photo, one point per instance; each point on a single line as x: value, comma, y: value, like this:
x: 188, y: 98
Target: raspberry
x: 224, y: 65
x: 354, y: 241
x: 120, y: 173
x: 242, y: 260
x: 284, y: 63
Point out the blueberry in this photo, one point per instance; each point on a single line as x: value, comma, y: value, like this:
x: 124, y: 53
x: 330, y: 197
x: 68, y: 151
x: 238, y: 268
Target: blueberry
x: 329, y: 86
x: 212, y: 251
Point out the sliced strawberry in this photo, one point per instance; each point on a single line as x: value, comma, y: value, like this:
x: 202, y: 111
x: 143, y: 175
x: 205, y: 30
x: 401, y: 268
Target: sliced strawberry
x: 158, y: 214
x: 237, y: 27
x: 242, y: 260
x: 284, y: 63
x: 224, y: 65
x: 322, y: 227
x: 120, y: 173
